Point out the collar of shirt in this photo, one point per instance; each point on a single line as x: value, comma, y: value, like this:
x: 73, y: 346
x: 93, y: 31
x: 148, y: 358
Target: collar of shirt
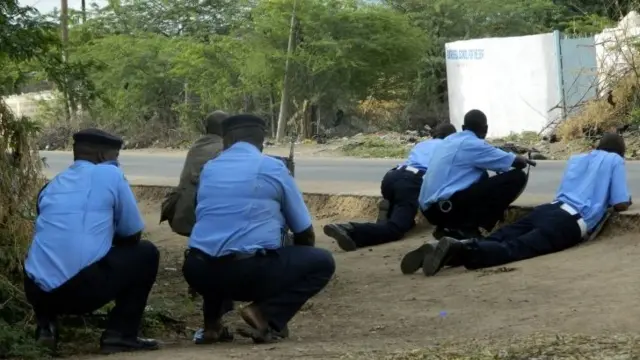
x: 77, y: 163
x: 466, y: 133
x: 244, y: 147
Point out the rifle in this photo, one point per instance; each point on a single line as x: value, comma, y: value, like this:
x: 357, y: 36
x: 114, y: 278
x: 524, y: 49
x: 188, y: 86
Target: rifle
x: 287, y: 238
x: 288, y: 161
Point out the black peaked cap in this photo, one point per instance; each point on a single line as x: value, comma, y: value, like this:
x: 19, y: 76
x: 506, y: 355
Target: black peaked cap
x: 242, y: 121
x: 97, y: 137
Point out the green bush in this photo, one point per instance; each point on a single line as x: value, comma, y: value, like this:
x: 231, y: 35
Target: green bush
x: 20, y: 180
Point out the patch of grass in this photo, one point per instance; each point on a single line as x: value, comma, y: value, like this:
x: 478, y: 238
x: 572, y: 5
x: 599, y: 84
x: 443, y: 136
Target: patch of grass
x: 525, y: 138
x: 373, y: 147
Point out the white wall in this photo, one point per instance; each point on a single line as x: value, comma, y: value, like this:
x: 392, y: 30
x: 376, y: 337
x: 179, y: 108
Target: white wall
x: 514, y: 81
x: 27, y: 104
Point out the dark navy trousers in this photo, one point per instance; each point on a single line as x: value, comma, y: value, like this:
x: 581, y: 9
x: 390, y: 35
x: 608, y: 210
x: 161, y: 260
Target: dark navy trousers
x: 125, y: 275
x: 279, y: 282
x: 547, y: 229
x: 401, y: 188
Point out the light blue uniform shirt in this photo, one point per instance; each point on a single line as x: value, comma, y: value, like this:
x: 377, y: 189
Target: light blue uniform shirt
x: 81, y: 210
x: 592, y: 182
x: 244, y: 201
x: 421, y: 153
x: 457, y: 163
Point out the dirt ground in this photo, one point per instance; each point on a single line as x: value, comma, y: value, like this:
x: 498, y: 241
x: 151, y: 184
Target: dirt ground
x: 371, y: 311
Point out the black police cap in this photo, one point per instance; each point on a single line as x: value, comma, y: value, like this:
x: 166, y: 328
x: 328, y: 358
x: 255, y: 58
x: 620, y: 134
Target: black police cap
x: 97, y: 137
x: 242, y: 121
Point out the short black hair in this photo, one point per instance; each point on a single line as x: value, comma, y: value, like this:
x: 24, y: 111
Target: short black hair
x: 443, y: 130
x: 475, y: 120
x: 612, y: 142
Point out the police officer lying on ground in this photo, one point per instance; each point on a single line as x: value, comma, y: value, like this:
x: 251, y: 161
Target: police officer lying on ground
x: 179, y: 207
x: 592, y: 182
x: 400, y: 188
x: 236, y: 252
x: 457, y: 194
x: 87, y: 248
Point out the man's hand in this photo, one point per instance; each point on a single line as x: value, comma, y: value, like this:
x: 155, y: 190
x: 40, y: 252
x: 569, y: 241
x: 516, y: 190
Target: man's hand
x: 520, y: 162
x: 127, y: 240
x: 305, y: 238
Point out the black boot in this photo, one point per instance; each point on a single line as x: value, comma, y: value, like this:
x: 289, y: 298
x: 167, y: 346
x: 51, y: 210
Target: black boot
x: 47, y: 334
x: 341, y: 234
x: 113, y: 342
x: 449, y: 251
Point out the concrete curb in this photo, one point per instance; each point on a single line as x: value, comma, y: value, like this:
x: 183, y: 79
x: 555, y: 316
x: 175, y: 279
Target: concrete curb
x: 356, y: 207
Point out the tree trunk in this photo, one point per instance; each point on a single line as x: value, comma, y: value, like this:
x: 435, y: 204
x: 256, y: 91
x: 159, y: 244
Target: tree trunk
x: 285, y: 98
x: 272, y: 111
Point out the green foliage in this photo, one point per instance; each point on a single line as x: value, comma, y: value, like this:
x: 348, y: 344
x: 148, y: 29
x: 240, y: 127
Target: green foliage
x: 19, y: 183
x: 374, y: 147
x: 150, y: 69
x: 23, y: 40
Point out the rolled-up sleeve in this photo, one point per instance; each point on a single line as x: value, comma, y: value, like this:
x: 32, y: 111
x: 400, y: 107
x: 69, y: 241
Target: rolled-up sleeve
x: 126, y: 213
x: 618, y: 189
x: 294, y: 209
x: 487, y: 157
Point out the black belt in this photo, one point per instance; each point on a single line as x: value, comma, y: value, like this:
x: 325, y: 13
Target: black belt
x: 229, y: 257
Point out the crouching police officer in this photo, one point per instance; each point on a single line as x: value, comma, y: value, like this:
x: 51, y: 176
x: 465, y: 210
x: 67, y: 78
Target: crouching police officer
x: 87, y: 248
x: 457, y: 194
x: 236, y: 248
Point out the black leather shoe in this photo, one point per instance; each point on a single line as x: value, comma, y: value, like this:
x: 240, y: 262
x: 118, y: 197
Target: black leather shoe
x: 280, y: 334
x: 47, y: 336
x: 447, y: 251
x: 112, y: 342
x: 340, y: 233
x: 414, y: 259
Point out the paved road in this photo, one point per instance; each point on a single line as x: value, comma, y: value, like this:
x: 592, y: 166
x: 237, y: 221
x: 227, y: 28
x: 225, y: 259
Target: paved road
x: 323, y: 174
